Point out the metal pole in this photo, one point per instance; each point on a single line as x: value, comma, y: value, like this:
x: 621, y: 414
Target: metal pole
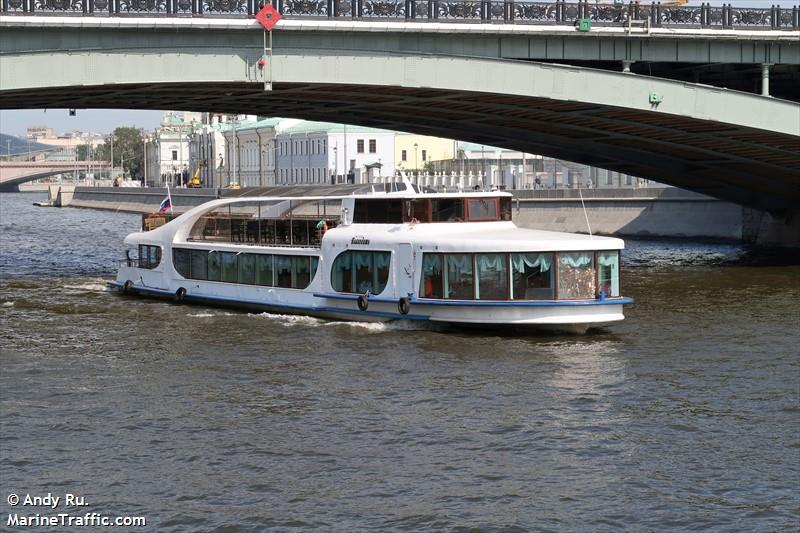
x: 235, y: 149
x: 180, y: 158
x: 344, y: 166
x: 765, y: 79
x: 112, y: 158
x: 144, y: 157
x: 268, y: 58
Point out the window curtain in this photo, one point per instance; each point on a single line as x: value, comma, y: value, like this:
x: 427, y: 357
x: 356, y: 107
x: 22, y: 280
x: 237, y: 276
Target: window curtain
x: 431, y: 264
x: 362, y: 260
x: 382, y: 260
x: 494, y: 262
x: 460, y: 264
x: 520, y: 261
x: 576, y: 259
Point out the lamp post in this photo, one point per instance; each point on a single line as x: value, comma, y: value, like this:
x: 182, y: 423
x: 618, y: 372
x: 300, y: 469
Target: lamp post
x: 335, y: 164
x: 483, y: 167
x: 144, y: 159
x: 416, y: 165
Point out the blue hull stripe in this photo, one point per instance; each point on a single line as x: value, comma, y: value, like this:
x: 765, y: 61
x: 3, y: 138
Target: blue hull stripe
x: 305, y: 309
x: 483, y: 303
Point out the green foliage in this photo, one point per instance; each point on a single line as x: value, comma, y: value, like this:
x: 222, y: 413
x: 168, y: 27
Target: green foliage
x: 128, y: 151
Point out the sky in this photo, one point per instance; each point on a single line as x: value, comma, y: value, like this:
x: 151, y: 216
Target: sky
x: 16, y: 122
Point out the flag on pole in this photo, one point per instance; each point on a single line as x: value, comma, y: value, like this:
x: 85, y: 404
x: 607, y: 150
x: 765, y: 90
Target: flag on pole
x: 166, y: 204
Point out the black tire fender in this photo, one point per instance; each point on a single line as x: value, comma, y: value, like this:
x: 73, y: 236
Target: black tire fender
x: 404, y: 306
x: 363, y: 302
x: 180, y: 294
x: 127, y: 287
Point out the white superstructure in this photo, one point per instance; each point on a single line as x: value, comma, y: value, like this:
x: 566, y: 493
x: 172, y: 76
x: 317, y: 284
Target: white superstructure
x: 396, y: 254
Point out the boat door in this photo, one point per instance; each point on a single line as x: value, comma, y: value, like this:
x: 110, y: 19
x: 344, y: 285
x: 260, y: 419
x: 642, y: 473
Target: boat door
x: 404, y: 272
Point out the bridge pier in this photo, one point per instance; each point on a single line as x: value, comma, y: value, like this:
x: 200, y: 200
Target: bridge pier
x: 764, y: 229
x: 765, y: 78
x: 626, y: 65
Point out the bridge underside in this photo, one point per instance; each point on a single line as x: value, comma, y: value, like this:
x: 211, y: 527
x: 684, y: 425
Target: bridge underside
x: 10, y: 182
x: 748, y: 166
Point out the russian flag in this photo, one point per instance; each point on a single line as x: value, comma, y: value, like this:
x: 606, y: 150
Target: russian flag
x: 166, y: 205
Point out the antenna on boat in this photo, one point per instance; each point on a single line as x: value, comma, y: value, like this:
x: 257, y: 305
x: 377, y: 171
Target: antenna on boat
x: 585, y: 214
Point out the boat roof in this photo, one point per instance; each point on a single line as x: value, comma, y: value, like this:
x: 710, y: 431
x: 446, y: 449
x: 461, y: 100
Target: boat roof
x: 357, y: 195
x: 476, y: 237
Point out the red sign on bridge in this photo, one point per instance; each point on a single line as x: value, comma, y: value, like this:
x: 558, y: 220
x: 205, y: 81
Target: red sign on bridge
x: 268, y: 17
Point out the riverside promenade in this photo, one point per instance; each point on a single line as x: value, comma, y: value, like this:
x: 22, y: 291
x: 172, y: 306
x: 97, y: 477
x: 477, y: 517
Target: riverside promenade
x: 653, y: 212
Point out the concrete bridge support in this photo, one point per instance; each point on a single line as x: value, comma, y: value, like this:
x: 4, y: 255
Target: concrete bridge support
x: 764, y: 229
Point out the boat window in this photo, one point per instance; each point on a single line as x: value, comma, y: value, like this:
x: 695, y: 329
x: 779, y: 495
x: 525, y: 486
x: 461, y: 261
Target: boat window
x: 505, y: 208
x: 575, y: 275
x: 247, y: 269
x: 432, y: 279
x: 199, y: 267
x: 300, y: 271
x: 421, y: 210
x: 491, y: 282
x: 362, y: 264
x: 532, y: 276
x: 230, y: 267
x: 283, y: 271
x: 458, y: 280
x: 447, y: 210
x: 382, y: 262
x: 383, y: 211
x: 264, y: 269
x: 268, y: 223
x: 608, y: 273
x: 481, y: 209
x: 341, y: 273
x: 149, y: 256
x: 181, y: 260
x: 289, y: 271
x: 361, y: 271
x: 214, y: 265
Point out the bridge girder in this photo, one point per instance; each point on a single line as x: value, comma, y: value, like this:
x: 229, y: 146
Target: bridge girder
x: 736, y: 146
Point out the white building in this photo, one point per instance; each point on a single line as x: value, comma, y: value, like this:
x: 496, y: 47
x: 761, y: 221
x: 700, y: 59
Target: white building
x: 167, y: 151
x: 322, y: 152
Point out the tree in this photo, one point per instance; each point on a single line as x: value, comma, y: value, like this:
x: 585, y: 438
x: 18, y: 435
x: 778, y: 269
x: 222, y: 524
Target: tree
x: 128, y: 151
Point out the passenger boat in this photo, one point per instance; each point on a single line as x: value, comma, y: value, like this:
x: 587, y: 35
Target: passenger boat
x: 390, y: 254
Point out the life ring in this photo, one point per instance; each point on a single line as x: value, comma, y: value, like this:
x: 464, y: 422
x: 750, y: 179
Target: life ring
x: 180, y: 294
x: 403, y: 306
x: 363, y: 302
x: 127, y: 288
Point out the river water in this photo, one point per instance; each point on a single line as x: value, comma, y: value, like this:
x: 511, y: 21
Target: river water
x: 686, y: 416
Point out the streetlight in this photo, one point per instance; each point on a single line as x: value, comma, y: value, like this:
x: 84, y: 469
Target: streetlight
x: 335, y: 165
x: 416, y: 166
x: 144, y: 159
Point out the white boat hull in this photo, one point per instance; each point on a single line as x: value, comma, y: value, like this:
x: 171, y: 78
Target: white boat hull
x: 563, y: 316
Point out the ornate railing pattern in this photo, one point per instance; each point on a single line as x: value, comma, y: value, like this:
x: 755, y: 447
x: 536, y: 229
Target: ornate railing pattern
x: 554, y: 12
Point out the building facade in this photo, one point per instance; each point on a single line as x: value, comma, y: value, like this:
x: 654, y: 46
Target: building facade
x: 415, y: 154
x: 167, y: 151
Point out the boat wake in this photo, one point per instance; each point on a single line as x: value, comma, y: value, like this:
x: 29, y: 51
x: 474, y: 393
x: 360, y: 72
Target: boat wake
x: 93, y: 285
x: 369, y: 327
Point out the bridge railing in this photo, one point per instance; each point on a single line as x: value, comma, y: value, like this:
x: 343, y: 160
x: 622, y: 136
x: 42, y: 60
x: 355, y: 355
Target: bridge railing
x: 556, y: 12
